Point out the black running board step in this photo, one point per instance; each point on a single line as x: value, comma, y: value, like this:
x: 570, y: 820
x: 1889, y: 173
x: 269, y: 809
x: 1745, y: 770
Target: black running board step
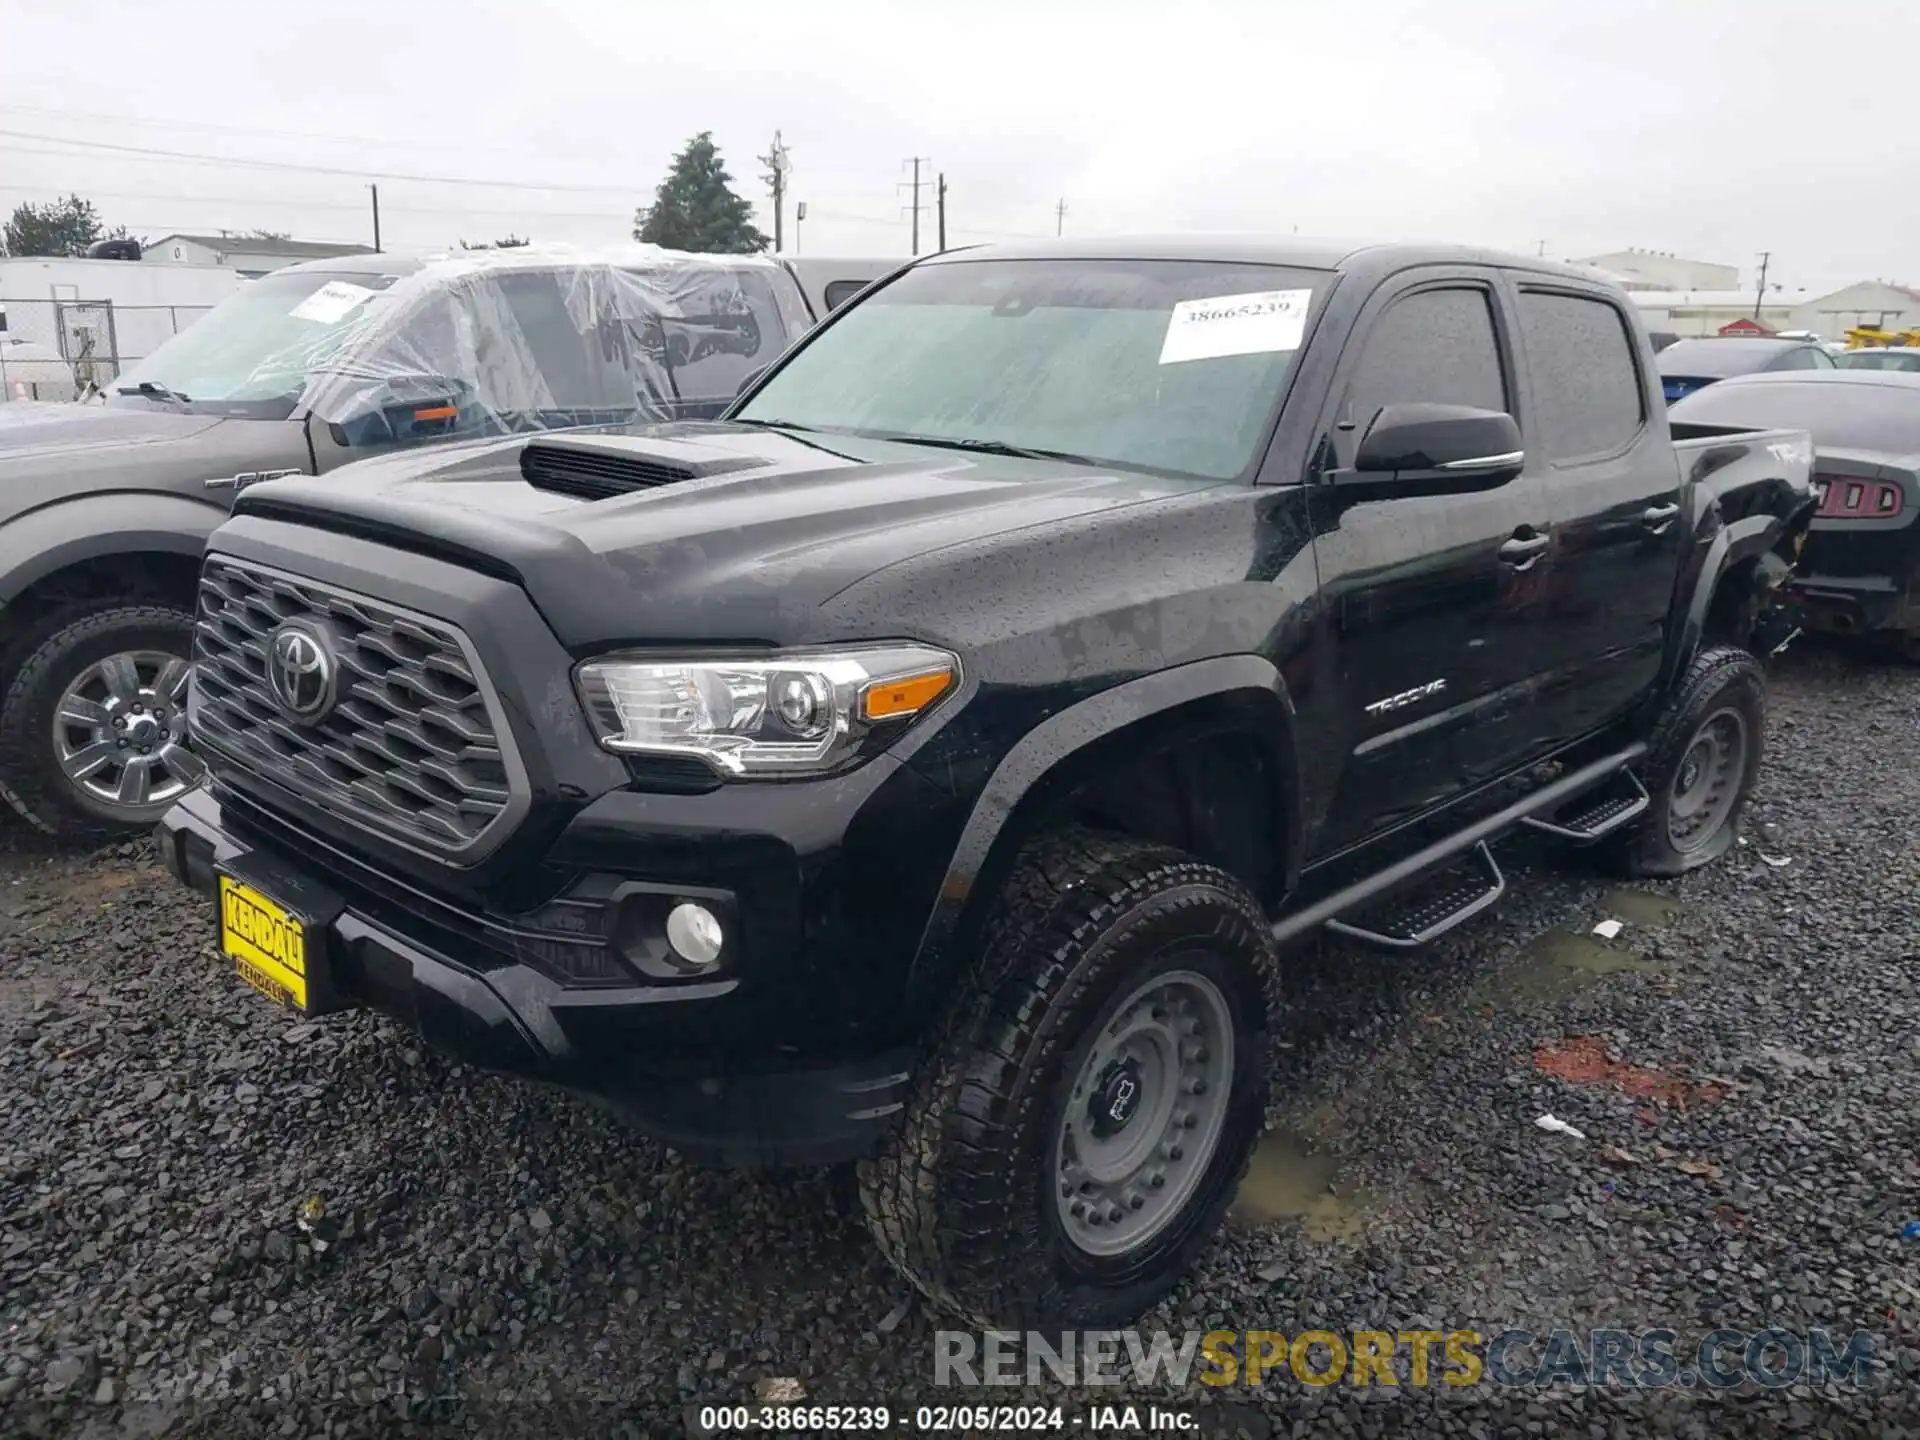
x: 1426, y: 915
x: 1542, y: 801
x: 1597, y: 814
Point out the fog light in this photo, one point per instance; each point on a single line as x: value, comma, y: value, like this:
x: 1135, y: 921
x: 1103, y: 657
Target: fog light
x: 695, y: 935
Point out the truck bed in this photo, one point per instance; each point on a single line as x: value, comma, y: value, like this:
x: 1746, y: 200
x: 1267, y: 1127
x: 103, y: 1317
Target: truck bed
x: 1746, y: 470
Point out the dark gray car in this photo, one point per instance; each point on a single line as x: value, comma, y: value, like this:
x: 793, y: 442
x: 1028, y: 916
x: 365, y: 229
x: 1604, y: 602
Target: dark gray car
x: 104, y: 506
x: 1690, y: 365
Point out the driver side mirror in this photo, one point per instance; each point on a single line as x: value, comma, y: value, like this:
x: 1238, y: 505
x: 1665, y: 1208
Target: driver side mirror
x: 1438, y: 448
x: 405, y: 408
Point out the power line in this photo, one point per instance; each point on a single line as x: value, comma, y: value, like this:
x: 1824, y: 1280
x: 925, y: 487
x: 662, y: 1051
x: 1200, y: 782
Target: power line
x: 172, y: 124
x: 355, y: 206
x: 354, y: 172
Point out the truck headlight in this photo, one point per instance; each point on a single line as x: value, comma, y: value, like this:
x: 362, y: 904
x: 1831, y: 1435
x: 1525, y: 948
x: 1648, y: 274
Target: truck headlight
x: 792, y: 713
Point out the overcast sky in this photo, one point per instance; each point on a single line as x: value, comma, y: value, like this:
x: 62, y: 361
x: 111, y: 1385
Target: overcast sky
x: 1712, y: 128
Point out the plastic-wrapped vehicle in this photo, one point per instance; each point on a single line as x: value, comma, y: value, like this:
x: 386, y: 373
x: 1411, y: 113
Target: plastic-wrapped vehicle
x: 104, y: 507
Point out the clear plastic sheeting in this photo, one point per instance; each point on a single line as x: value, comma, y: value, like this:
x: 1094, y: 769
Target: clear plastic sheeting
x: 476, y: 342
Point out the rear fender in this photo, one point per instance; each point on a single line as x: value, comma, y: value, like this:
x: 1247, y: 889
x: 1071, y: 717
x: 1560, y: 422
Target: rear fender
x: 1724, y: 549
x: 1236, y: 694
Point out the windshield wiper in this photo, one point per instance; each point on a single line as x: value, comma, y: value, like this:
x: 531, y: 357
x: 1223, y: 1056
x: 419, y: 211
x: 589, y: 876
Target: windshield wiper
x: 991, y: 447
x: 153, y: 392
x: 781, y: 425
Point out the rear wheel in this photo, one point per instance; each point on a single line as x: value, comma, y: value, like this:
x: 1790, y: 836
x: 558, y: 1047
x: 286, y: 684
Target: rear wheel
x: 94, y: 721
x: 1074, y: 1140
x: 1704, y: 757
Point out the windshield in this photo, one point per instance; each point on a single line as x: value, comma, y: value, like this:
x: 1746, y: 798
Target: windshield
x: 1718, y: 358
x: 252, y: 353
x: 1168, y: 366
x: 1879, y: 360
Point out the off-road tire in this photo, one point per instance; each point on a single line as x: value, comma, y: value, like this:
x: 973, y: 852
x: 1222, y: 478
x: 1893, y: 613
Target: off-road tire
x: 1718, y: 679
x: 961, y: 1198
x: 49, y: 657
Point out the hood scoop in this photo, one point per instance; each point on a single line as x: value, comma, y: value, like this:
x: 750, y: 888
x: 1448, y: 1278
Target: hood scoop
x: 598, y: 467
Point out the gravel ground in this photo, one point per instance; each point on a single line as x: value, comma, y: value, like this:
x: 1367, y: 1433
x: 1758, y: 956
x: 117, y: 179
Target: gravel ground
x: 496, y: 1257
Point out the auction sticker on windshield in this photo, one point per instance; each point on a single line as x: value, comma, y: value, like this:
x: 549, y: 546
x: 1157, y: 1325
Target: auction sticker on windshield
x: 1224, y: 325
x: 266, y: 944
x: 330, y: 302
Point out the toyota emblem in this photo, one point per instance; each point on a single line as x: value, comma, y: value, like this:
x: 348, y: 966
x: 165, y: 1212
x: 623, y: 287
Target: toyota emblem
x: 301, y: 672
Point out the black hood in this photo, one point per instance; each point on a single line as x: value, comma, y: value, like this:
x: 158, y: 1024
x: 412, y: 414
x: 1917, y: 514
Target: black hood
x: 51, y: 452
x: 751, y: 554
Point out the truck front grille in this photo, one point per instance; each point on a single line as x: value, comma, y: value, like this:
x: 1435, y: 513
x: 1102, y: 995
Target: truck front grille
x: 412, y: 746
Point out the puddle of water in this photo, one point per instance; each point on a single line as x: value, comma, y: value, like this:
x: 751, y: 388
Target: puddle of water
x: 1640, y: 907
x: 1287, y: 1180
x: 1557, y: 961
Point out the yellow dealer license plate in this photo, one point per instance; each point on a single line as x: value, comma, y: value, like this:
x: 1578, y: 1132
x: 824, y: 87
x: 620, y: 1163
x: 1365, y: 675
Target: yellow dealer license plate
x: 267, y: 945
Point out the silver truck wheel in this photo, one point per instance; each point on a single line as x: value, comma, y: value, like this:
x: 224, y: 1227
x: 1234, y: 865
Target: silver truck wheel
x: 93, y: 720
x: 120, y: 731
x: 1145, y: 1113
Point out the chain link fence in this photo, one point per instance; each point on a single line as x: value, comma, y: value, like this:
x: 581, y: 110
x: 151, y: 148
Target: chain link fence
x: 69, y: 347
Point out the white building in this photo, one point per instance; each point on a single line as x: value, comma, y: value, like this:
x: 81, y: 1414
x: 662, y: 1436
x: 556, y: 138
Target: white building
x: 1869, y: 302
x: 1693, y: 313
x: 1659, y: 270
x: 115, y: 311
x: 249, y: 255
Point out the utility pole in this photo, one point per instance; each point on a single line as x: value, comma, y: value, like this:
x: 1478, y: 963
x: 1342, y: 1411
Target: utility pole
x: 799, y: 214
x: 916, y: 161
x: 376, y: 217
x: 940, y: 208
x: 1761, y: 294
x: 1060, y: 217
x: 1542, y: 251
x: 777, y: 165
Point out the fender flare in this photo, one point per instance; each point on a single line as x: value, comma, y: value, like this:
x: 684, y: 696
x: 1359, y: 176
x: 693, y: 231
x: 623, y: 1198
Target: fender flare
x: 1739, y: 540
x: 992, y: 831
x: 67, y: 532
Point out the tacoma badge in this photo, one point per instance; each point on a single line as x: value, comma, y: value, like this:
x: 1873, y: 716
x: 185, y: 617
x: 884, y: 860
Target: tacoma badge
x: 1406, y: 697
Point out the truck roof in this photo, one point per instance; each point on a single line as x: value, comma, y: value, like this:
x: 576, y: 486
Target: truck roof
x: 1299, y: 252
x: 529, y: 257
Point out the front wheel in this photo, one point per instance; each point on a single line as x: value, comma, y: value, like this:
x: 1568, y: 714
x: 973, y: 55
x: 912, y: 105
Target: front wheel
x: 1075, y: 1137
x: 94, y: 721
x: 1701, y: 765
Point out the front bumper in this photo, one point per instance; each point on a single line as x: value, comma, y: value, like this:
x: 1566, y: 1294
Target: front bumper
x: 614, y: 1043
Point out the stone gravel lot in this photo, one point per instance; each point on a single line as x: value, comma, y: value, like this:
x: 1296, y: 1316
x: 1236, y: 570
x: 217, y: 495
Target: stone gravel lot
x: 1744, y: 1059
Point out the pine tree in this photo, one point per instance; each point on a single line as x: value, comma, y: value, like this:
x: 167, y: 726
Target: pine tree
x: 695, y: 207
x: 60, y: 227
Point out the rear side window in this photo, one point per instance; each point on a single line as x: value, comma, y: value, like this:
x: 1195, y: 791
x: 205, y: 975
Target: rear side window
x: 1797, y: 360
x: 840, y: 291
x: 729, y: 325
x: 1586, y: 386
x: 1434, y: 346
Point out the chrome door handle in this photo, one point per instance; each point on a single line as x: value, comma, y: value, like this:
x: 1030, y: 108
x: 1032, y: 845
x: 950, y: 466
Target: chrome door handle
x: 1657, y: 517
x: 1521, y: 552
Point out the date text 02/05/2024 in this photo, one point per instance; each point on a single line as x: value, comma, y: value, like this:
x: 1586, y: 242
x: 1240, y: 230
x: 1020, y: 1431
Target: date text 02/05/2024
x: 942, y: 1419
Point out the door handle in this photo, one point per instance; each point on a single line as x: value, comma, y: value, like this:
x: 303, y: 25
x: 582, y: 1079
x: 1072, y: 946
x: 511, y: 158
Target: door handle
x: 1657, y: 517
x: 1521, y: 551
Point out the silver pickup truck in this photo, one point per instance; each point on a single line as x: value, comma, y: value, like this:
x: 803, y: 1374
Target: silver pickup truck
x: 105, y: 505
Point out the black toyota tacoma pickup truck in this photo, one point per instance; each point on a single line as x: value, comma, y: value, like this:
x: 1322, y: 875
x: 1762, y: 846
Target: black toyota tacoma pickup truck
x: 928, y: 763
